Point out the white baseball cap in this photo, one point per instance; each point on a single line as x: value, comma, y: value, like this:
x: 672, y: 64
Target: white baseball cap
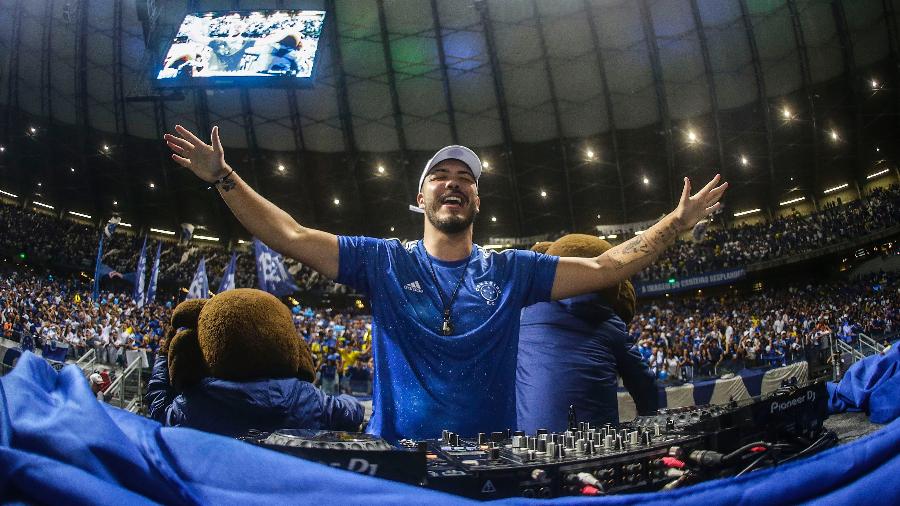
x: 455, y: 152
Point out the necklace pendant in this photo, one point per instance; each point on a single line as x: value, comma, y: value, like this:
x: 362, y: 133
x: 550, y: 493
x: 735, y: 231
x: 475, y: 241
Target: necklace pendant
x: 446, y: 329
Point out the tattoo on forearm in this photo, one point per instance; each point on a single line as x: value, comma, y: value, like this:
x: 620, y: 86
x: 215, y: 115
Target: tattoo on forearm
x: 648, y: 244
x: 228, y: 184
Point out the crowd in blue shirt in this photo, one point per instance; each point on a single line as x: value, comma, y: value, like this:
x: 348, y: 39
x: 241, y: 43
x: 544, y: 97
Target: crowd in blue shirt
x: 700, y: 336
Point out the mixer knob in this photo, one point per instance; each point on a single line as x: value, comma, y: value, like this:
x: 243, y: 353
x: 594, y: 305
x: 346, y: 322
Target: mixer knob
x: 454, y: 439
x: 543, y: 431
x: 670, y: 425
x: 519, y: 433
x: 646, y: 439
x: 541, y: 445
x: 633, y: 438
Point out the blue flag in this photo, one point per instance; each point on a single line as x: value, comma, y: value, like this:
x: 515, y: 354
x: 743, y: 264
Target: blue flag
x: 199, y: 285
x: 140, y: 293
x: 154, y: 274
x: 111, y: 226
x: 228, y: 278
x: 95, y: 293
x: 271, y: 276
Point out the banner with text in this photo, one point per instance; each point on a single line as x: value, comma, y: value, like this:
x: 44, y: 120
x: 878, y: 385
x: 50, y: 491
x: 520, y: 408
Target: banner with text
x: 699, y: 281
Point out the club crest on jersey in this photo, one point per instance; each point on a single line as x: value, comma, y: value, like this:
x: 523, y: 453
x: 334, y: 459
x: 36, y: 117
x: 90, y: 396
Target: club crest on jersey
x: 489, y: 290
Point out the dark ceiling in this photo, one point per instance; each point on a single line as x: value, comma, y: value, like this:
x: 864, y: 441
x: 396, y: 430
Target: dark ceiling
x: 580, y: 99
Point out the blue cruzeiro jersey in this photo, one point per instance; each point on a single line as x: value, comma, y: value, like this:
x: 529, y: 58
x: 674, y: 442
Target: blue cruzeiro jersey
x: 425, y: 381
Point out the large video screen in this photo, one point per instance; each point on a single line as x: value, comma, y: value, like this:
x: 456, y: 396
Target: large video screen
x: 244, y: 47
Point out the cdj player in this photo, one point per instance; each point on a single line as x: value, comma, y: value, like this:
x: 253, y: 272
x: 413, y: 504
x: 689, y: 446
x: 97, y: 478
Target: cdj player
x: 673, y: 448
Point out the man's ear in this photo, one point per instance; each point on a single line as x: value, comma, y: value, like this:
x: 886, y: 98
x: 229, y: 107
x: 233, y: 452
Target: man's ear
x: 420, y: 199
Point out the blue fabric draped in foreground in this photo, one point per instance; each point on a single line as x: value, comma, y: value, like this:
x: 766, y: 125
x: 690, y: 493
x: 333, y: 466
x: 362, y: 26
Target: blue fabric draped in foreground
x: 871, y: 385
x: 59, y: 445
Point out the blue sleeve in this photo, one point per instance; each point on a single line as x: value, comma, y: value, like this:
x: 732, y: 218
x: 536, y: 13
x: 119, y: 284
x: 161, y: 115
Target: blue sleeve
x: 358, y: 258
x: 160, y: 393
x: 342, y: 412
x: 636, y: 375
x: 534, y: 274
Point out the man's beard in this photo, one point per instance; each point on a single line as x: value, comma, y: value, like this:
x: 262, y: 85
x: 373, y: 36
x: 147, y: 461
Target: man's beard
x: 453, y: 224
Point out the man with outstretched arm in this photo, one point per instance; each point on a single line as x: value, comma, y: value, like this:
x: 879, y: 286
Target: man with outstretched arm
x: 445, y: 311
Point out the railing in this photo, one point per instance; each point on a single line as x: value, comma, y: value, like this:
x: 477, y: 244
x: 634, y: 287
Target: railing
x: 838, y: 349
x: 87, y: 362
x: 867, y: 346
x: 126, y: 391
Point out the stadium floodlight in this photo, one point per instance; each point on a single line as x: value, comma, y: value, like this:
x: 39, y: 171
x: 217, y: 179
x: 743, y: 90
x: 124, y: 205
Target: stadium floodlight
x: 879, y: 173
x: 161, y: 231
x: 744, y: 213
x: 493, y: 218
x: 792, y: 201
x: 337, y: 202
x: 744, y: 161
x: 280, y: 168
x: 13, y: 195
x: 392, y: 229
x: 786, y: 113
x: 646, y: 180
x: 80, y: 215
x: 836, y: 188
x: 612, y: 236
x: 46, y: 206
x: 590, y: 154
x: 692, y: 137
x: 543, y: 194
x: 834, y: 135
x: 485, y: 164
x: 875, y: 84
x: 206, y: 238
x: 241, y: 241
x: 123, y: 224
x: 2, y: 149
x: 492, y: 246
x: 381, y: 169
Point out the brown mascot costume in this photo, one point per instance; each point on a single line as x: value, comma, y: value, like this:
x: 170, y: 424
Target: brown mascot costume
x: 235, y: 362
x: 572, y: 351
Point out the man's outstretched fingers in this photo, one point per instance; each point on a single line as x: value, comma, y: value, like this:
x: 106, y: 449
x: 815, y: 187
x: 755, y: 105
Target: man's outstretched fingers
x: 686, y: 191
x: 216, y: 142
x: 179, y: 141
x: 175, y: 147
x: 191, y: 137
x: 184, y: 162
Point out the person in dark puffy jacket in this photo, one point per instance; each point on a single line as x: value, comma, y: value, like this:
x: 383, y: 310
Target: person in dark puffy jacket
x: 572, y: 351
x: 235, y: 363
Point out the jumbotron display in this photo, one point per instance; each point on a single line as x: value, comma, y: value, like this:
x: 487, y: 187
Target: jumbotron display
x: 241, y: 47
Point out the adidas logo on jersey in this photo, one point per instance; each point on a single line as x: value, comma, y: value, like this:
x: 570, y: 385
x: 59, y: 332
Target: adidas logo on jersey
x: 413, y: 287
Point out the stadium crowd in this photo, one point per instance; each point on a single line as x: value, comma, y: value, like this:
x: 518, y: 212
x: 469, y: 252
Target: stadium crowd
x: 725, y: 248
x: 699, y: 337
x: 39, y: 309
x: 721, y: 248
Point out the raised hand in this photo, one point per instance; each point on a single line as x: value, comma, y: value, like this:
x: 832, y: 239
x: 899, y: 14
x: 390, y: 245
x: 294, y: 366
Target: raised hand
x: 692, y: 209
x: 206, y: 161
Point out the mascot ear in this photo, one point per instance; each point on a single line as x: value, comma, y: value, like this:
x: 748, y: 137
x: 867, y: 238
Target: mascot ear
x: 185, y: 316
x: 624, y: 303
x: 305, y: 369
x: 186, y: 365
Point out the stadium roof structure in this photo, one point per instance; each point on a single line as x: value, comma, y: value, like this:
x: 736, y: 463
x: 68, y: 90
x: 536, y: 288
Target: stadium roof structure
x: 588, y: 112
